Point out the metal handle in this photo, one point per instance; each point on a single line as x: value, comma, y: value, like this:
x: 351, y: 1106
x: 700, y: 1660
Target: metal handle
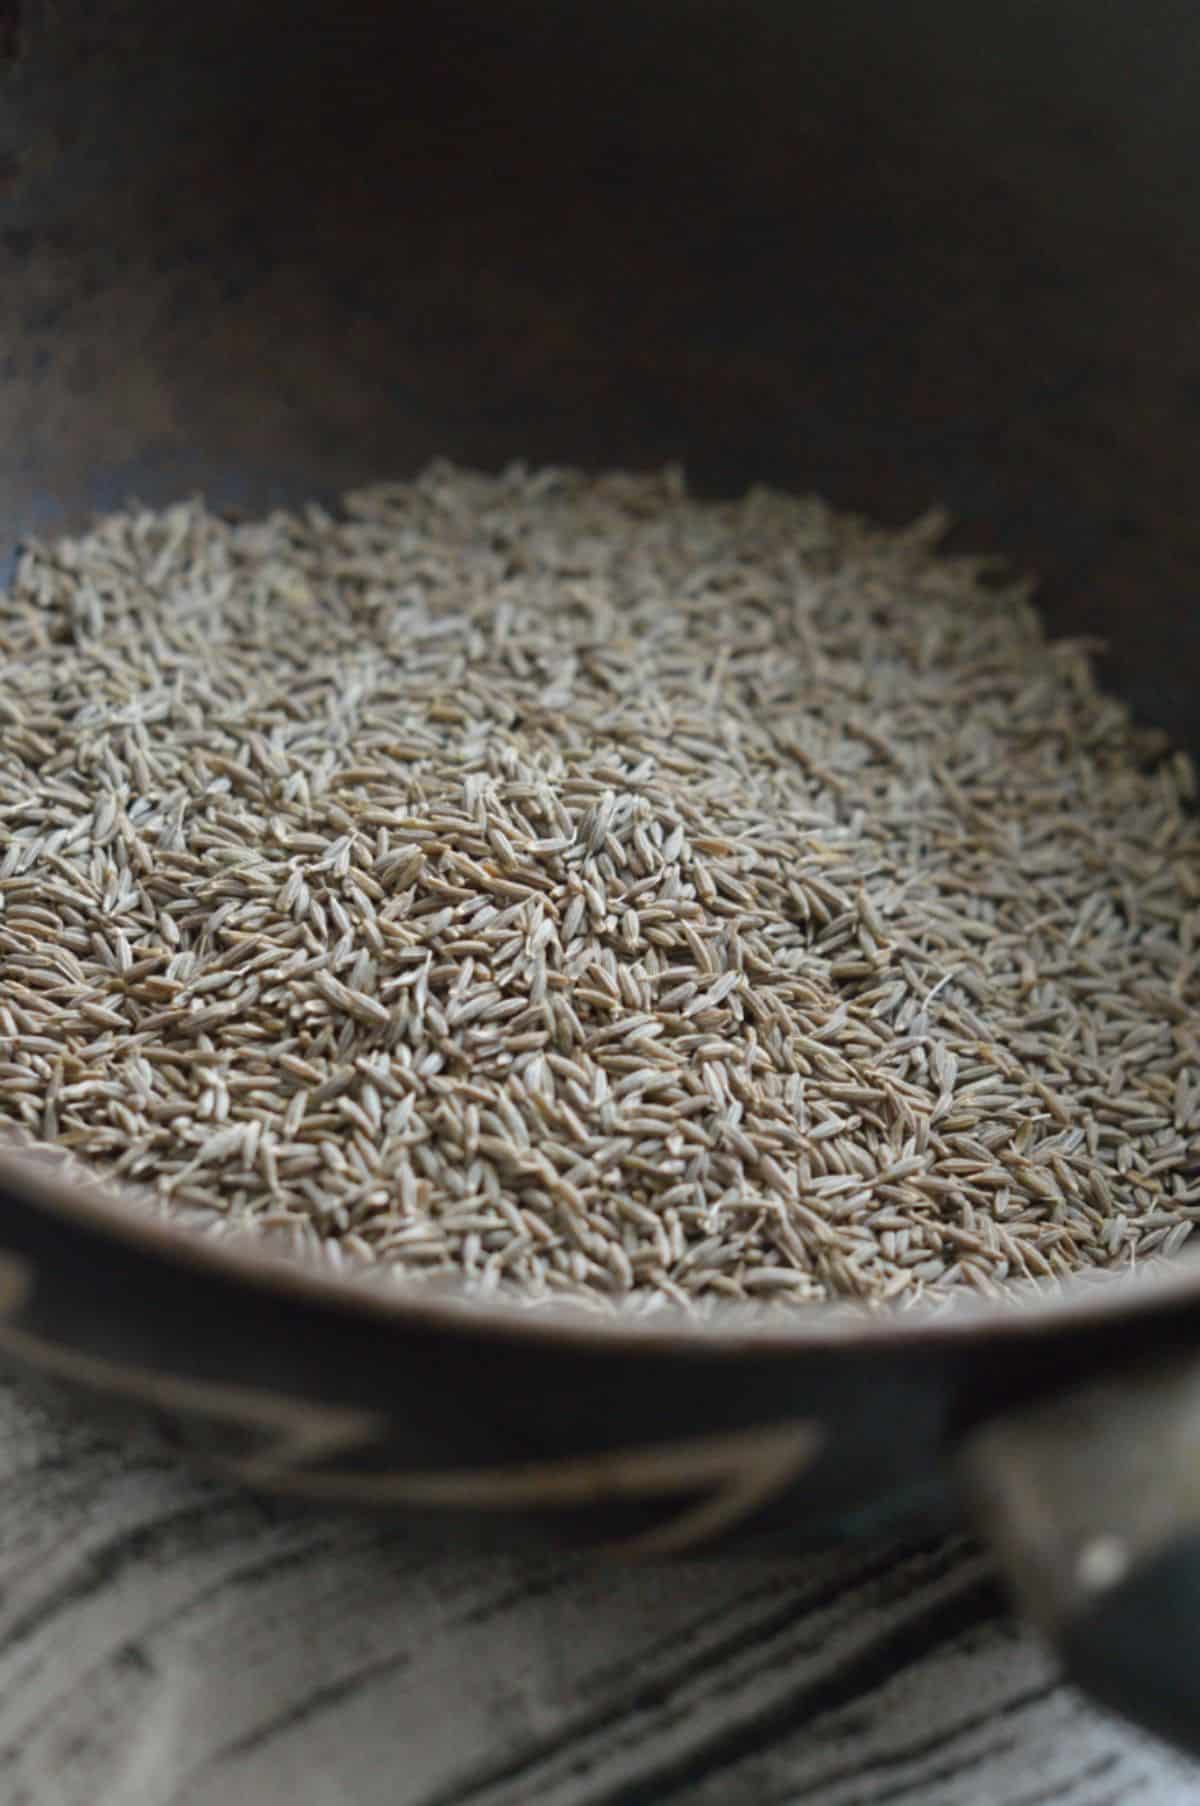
x: 1091, y: 1499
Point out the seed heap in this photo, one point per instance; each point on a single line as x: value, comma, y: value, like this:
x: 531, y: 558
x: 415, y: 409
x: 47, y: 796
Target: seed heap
x: 568, y: 885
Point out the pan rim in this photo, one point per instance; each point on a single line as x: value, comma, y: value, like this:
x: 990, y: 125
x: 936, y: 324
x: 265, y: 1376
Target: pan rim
x: 1082, y: 1303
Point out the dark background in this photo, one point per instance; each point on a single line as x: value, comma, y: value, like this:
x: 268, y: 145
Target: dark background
x: 893, y: 253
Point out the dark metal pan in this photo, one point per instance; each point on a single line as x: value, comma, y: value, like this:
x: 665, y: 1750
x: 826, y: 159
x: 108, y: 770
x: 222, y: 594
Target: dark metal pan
x: 893, y: 254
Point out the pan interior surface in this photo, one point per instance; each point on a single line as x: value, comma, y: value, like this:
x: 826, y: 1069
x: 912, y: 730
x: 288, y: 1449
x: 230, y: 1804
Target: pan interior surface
x: 890, y: 259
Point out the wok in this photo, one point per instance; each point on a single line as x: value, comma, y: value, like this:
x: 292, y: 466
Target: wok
x: 890, y: 254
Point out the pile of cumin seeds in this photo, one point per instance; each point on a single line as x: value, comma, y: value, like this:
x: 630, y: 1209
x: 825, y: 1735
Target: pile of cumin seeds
x: 564, y: 885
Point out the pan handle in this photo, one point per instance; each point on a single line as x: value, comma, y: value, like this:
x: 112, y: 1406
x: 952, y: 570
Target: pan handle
x: 1091, y: 1499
